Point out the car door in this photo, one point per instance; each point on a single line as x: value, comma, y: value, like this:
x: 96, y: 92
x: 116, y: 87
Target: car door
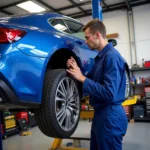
x: 77, y: 38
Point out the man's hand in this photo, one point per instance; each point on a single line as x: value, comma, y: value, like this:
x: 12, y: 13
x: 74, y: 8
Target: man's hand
x: 71, y: 60
x: 74, y: 70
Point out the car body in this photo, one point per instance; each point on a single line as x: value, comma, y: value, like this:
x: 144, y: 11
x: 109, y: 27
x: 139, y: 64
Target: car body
x: 34, y: 51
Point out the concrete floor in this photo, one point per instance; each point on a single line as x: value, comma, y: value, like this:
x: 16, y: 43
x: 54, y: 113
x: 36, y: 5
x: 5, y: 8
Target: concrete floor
x: 137, y: 138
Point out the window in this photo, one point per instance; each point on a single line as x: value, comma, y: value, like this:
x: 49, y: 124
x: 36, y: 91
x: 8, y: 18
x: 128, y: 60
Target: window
x: 74, y: 27
x: 60, y: 25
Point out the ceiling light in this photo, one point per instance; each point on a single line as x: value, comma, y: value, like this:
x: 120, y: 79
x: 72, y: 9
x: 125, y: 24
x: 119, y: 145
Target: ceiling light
x: 31, y: 6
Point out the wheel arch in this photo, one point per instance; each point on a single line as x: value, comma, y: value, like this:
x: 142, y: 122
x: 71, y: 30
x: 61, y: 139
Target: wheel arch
x: 59, y: 59
x: 127, y: 68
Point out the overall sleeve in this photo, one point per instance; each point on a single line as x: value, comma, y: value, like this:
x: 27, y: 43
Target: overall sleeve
x: 111, y: 80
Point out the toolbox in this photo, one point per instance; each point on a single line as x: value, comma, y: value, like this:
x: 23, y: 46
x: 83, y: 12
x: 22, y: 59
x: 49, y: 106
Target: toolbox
x: 138, y: 111
x: 9, y: 124
x: 148, y: 107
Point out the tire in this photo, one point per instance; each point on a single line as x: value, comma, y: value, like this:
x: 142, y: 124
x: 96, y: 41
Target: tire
x: 59, y: 113
x: 127, y: 92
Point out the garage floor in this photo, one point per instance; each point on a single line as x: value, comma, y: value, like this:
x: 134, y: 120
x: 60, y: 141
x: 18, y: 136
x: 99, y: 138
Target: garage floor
x: 137, y: 138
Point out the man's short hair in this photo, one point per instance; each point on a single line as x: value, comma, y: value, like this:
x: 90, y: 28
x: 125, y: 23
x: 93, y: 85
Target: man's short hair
x: 96, y: 25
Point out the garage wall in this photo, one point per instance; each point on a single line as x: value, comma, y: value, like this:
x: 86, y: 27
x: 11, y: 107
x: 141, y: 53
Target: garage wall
x: 141, y: 17
x: 116, y: 21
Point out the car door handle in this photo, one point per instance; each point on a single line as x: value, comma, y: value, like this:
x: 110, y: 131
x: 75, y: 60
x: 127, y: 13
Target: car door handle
x: 79, y: 42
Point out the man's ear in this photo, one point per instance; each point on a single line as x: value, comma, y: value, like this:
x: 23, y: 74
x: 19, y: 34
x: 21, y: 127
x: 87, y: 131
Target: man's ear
x: 98, y: 34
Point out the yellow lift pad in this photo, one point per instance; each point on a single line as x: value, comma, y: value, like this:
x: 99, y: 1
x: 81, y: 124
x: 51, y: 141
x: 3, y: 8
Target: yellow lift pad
x: 25, y: 133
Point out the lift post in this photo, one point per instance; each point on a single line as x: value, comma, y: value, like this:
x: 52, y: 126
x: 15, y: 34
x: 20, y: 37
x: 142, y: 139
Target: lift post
x: 97, y: 9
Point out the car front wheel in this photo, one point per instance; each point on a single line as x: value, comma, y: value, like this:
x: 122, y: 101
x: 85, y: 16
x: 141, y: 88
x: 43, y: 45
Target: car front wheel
x: 59, y: 113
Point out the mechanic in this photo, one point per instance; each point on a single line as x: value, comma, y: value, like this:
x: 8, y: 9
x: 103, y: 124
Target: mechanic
x: 106, y: 84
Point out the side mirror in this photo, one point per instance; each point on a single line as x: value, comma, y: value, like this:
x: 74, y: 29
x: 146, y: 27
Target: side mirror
x: 113, y: 41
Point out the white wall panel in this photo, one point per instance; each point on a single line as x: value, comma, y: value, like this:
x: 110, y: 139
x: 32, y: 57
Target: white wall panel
x: 142, y: 32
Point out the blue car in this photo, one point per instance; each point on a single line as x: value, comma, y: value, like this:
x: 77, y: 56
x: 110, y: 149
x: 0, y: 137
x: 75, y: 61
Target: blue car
x: 34, y: 51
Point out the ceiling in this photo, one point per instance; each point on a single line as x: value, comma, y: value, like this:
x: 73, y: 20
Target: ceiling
x: 72, y: 8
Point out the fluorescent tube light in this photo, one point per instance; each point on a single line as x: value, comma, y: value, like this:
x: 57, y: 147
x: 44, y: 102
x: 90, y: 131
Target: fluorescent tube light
x: 31, y: 7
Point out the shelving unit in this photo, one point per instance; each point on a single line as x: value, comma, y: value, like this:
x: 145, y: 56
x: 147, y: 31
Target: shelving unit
x: 141, y: 119
x: 132, y: 70
x: 134, y: 85
x: 140, y: 69
x: 143, y: 85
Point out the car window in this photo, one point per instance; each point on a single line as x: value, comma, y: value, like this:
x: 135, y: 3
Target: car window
x: 74, y: 27
x: 59, y: 25
x: 79, y: 35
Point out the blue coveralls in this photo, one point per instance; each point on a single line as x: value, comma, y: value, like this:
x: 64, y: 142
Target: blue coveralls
x: 106, y: 84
